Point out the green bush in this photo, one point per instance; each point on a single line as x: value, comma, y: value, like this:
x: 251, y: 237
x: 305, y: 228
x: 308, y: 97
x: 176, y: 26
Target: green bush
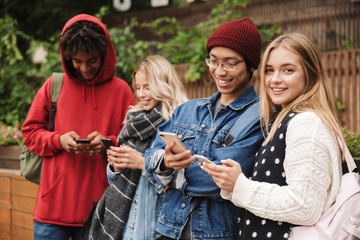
x: 352, y: 140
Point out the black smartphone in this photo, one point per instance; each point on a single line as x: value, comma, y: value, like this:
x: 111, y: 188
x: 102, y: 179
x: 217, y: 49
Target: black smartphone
x: 108, y: 142
x: 83, y: 141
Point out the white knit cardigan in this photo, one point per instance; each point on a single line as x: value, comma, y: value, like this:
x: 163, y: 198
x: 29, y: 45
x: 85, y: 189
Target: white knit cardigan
x: 313, y: 171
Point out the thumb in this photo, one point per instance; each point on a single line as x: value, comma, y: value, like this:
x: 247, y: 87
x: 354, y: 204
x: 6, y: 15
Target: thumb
x: 228, y: 162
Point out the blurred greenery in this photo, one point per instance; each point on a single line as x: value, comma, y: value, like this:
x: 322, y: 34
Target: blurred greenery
x: 352, y: 140
x: 19, y: 40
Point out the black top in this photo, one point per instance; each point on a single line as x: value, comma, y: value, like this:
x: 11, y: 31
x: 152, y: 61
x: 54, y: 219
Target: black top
x: 268, y: 167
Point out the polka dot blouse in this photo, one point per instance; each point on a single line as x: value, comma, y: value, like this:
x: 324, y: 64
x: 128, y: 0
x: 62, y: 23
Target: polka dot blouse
x: 268, y: 167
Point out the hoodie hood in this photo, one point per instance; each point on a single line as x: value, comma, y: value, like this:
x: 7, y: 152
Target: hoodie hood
x: 107, y: 70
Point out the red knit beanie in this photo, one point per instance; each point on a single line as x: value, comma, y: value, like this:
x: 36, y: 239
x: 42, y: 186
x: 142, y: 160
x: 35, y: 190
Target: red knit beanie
x: 240, y: 35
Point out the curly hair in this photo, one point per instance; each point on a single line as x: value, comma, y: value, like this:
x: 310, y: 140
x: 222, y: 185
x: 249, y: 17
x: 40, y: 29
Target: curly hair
x: 83, y: 36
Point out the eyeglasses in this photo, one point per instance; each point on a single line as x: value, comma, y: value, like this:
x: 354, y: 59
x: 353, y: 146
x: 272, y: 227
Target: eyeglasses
x: 225, y: 65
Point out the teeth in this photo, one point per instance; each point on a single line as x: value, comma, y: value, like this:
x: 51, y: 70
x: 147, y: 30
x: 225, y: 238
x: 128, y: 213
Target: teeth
x: 224, y: 81
x: 278, y: 89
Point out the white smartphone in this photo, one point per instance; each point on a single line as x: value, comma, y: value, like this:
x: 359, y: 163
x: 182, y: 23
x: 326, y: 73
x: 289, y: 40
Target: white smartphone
x: 203, y: 159
x: 172, y: 137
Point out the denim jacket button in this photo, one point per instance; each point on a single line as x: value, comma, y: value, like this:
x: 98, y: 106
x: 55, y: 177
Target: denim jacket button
x: 195, y: 150
x: 203, y: 125
x: 131, y: 227
x: 183, y: 205
x: 203, y: 151
x: 175, y: 231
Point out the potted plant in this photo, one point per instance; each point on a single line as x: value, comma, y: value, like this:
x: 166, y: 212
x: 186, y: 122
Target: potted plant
x: 10, y: 146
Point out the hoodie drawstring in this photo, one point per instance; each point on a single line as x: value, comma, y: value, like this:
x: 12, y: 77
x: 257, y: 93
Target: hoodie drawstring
x: 83, y: 93
x: 92, y: 94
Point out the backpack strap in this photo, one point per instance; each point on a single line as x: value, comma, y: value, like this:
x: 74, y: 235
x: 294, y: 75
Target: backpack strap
x: 244, y: 123
x: 56, y: 84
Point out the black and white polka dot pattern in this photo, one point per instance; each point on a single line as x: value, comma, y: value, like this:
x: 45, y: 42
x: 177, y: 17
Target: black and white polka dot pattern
x: 268, y: 167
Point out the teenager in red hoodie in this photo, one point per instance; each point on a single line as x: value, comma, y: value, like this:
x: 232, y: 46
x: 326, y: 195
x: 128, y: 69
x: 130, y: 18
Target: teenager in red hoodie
x: 92, y: 104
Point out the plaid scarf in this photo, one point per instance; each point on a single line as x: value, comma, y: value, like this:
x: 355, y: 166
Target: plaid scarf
x: 112, y: 211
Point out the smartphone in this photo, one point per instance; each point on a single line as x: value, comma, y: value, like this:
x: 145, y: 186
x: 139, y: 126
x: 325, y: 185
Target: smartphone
x: 107, y: 142
x: 203, y: 159
x: 172, y: 137
x: 82, y: 140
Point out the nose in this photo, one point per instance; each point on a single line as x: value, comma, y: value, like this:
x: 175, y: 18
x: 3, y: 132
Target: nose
x: 219, y: 70
x: 84, y: 67
x: 141, y: 92
x: 275, y: 78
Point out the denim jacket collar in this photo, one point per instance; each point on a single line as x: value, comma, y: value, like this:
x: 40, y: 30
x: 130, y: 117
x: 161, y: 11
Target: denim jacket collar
x: 246, y: 98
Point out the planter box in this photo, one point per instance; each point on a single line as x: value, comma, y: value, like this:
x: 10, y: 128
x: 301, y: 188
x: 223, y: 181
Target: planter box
x: 17, y: 202
x: 9, y: 156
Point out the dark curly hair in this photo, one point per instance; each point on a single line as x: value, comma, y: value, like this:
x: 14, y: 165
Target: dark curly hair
x: 83, y: 36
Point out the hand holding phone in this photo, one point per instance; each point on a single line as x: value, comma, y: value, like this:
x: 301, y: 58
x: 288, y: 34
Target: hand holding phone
x: 203, y: 159
x: 107, y: 142
x: 172, y: 137
x: 84, y: 141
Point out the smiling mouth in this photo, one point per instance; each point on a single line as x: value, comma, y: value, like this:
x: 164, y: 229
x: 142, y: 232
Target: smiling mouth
x: 145, y: 102
x: 224, y: 81
x: 278, y: 89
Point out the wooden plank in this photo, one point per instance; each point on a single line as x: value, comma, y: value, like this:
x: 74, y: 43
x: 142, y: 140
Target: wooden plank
x: 22, y: 187
x: 10, y: 152
x: 347, y: 96
x: 355, y: 92
x: 23, y: 204
x: 4, y: 183
x: 22, y: 219
x: 5, y: 231
x: 19, y: 233
x: 5, y: 215
x: 5, y: 200
x: 332, y: 73
x: 355, y: 86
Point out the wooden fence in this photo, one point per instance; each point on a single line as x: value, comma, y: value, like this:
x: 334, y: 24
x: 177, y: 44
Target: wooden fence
x: 332, y: 24
x: 342, y: 68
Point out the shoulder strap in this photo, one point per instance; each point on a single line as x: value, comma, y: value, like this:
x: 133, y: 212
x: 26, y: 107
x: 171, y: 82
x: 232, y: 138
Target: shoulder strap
x: 244, y: 123
x: 56, y: 84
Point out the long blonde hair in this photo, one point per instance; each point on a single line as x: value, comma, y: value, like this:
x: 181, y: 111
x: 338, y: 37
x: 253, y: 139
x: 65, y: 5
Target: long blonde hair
x: 164, y: 83
x: 316, y: 95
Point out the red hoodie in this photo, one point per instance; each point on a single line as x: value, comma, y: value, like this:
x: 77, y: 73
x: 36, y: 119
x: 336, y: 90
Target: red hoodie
x: 71, y: 182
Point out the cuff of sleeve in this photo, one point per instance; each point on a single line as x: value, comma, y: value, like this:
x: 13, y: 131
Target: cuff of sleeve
x: 240, y: 192
x: 56, y: 141
x: 165, y: 172
x: 226, y: 195
x: 110, y: 171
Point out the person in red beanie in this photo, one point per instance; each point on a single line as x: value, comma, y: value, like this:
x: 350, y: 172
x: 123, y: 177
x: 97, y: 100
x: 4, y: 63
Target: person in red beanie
x: 191, y: 206
x: 92, y: 104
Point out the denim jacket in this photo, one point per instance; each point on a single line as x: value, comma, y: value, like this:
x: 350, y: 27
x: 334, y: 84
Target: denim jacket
x: 194, y: 196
